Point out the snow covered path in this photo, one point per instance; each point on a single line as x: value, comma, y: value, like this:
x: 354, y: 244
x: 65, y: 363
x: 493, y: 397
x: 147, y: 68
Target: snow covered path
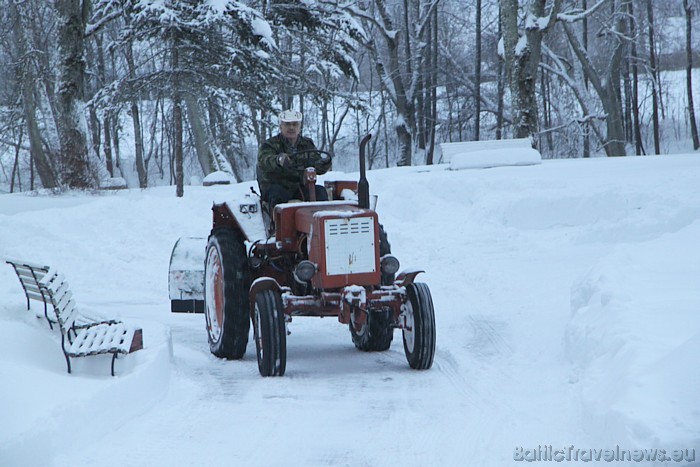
x: 537, y: 274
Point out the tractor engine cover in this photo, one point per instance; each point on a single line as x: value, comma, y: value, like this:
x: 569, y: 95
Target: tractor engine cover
x: 344, y: 245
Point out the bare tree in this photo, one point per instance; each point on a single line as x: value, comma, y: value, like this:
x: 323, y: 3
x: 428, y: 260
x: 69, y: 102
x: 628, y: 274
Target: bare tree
x: 177, y: 117
x: 25, y: 78
x: 605, y: 81
x: 634, y: 58
x: 403, y: 59
x: 689, y: 72
x: 393, y: 79
x: 654, y: 78
x: 477, y: 72
x: 501, y: 87
x: 522, y: 58
x: 135, y: 117
x: 584, y: 40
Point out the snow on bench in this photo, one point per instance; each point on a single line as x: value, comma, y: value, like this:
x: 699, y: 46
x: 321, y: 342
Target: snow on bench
x: 81, y: 336
x: 491, y: 153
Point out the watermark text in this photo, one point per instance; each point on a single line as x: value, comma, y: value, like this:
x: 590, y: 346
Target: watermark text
x: 549, y: 453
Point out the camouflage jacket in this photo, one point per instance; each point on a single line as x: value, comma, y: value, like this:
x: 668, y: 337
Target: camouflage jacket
x: 270, y: 172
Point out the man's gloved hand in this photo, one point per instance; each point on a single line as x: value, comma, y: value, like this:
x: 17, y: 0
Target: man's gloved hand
x: 283, y: 160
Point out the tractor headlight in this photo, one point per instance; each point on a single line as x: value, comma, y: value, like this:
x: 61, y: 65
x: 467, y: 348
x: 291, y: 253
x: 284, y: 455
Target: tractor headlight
x: 305, y: 270
x: 389, y: 264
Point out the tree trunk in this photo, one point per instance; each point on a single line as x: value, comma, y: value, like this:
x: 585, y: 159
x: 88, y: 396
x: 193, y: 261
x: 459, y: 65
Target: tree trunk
x: 45, y: 63
x: 96, y: 131
x: 584, y: 35
x: 689, y: 73
x: 70, y: 106
x: 629, y: 134
x: 654, y: 82
x: 522, y: 61
x: 546, y: 109
x: 108, y: 144
x: 15, y: 166
x: 177, y: 123
x: 199, y: 134
x: 501, y: 86
x: 421, y: 86
x: 433, y: 89
x: 102, y: 78
x: 477, y: 73
x: 405, y: 111
x: 615, y: 139
x: 136, y: 121
x: 114, y: 125
x: 177, y: 148
x: 638, y: 146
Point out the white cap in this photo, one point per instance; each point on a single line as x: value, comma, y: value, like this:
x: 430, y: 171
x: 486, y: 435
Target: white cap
x: 290, y: 116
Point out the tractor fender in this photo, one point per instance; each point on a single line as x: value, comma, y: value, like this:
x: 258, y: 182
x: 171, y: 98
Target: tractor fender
x: 260, y: 284
x: 407, y: 277
x: 243, y: 216
x: 224, y: 218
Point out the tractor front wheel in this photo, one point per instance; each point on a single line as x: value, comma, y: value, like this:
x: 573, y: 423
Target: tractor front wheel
x: 419, y: 330
x: 376, y: 334
x: 226, y: 284
x: 270, y: 333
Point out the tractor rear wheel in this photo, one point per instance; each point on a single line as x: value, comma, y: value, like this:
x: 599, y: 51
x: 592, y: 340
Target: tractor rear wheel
x: 226, y: 284
x: 270, y: 333
x: 419, y: 334
x: 376, y: 334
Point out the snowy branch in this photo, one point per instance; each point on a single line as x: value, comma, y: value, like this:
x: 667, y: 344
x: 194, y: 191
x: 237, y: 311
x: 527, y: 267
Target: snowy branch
x: 579, y: 15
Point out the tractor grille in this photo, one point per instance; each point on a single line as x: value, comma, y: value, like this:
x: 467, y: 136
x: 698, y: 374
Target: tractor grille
x: 350, y: 245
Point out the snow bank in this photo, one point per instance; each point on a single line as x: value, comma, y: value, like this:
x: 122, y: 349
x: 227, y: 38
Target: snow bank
x: 495, y: 158
x: 113, y: 183
x: 51, y: 410
x: 634, y: 338
x: 489, y: 153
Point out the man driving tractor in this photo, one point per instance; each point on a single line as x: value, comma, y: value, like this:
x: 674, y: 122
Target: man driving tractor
x: 282, y: 160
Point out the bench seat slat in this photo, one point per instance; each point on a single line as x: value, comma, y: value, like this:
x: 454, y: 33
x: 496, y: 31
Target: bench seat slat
x: 102, y: 338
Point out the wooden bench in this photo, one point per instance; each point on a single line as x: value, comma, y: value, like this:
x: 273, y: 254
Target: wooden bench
x: 80, y: 336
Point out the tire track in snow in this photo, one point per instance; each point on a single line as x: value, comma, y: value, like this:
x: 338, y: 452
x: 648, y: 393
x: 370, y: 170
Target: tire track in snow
x: 487, y: 337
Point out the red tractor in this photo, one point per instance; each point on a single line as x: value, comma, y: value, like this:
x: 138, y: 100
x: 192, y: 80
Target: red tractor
x: 328, y: 258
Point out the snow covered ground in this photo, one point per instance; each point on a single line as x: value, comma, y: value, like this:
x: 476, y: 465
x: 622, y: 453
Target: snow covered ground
x: 567, y: 302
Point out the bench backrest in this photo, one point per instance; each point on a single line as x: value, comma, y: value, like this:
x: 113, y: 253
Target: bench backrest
x: 30, y: 275
x: 56, y: 286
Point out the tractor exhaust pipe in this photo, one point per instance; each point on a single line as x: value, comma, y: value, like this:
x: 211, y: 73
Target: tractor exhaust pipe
x: 363, y: 185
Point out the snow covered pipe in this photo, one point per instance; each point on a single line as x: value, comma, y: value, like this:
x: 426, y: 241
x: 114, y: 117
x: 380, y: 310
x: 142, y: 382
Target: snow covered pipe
x: 363, y: 185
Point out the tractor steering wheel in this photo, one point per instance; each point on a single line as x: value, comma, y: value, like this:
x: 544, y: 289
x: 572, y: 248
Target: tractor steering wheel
x: 308, y: 152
